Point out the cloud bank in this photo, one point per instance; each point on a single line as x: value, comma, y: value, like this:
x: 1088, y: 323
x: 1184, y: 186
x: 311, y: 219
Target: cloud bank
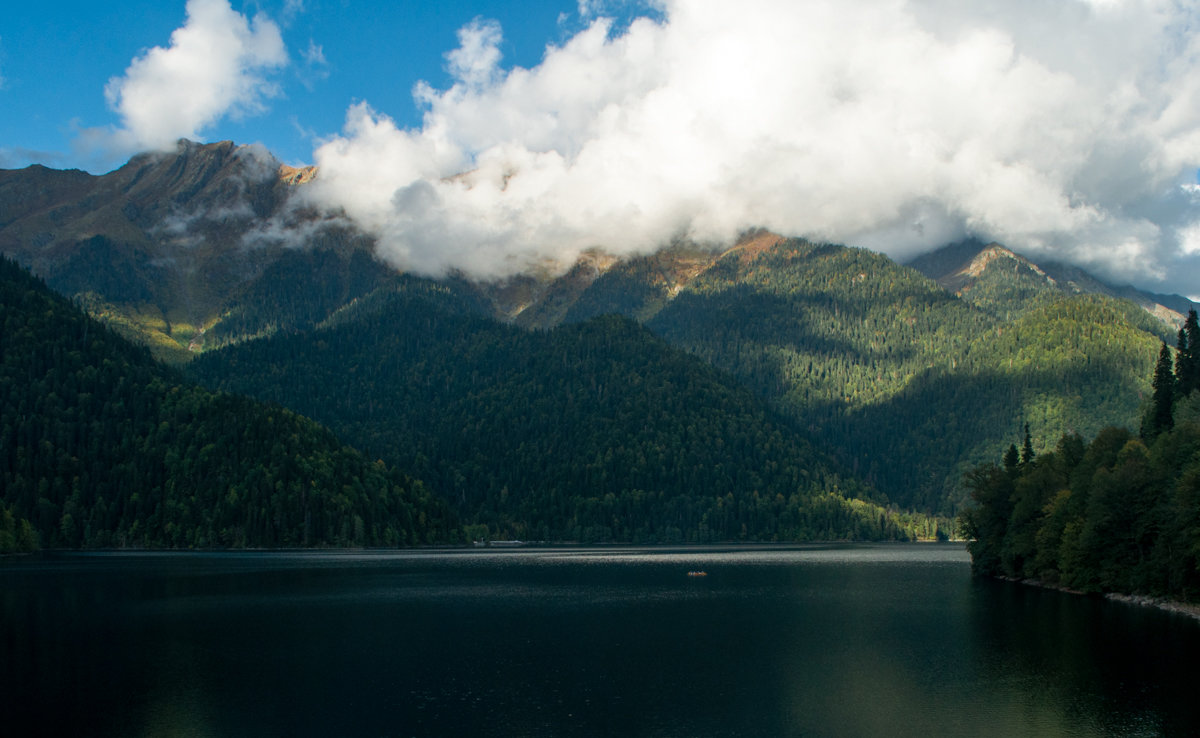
x: 1060, y: 127
x: 217, y: 64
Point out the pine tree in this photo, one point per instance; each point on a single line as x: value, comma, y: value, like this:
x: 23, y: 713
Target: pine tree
x: 1027, y: 447
x: 1187, y: 359
x: 1011, y: 458
x: 1162, y: 411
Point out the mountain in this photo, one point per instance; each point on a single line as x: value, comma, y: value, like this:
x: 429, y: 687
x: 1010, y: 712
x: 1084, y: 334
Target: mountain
x: 171, y: 249
x: 1006, y: 283
x: 907, y: 375
x: 908, y: 384
x: 595, y: 431
x: 102, y: 446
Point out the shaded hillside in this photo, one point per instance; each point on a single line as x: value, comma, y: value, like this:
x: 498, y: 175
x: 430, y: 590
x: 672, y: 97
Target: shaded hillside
x: 1076, y: 365
x: 825, y: 323
x: 300, y: 289
x: 188, y: 205
x: 595, y: 431
x: 102, y: 446
x: 906, y: 383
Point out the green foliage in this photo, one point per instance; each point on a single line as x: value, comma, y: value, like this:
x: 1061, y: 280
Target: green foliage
x: 1162, y: 407
x: 1116, y: 515
x: 102, y: 446
x: 596, y: 431
x: 16, y: 535
x: 1008, y: 289
x: 118, y: 273
x: 985, y: 525
x: 908, y: 384
x: 299, y: 289
x: 1187, y: 360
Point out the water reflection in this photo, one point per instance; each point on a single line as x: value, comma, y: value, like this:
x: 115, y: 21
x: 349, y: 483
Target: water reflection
x: 1110, y: 668
x: 828, y: 641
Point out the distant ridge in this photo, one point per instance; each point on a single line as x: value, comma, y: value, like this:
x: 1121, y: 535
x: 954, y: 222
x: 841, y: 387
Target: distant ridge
x: 959, y: 267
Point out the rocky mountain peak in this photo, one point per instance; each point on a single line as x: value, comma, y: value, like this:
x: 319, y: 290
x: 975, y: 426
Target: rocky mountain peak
x: 967, y: 268
x: 993, y: 253
x: 296, y: 175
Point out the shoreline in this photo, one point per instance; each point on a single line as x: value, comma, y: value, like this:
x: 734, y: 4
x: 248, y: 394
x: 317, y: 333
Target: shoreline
x: 1187, y: 609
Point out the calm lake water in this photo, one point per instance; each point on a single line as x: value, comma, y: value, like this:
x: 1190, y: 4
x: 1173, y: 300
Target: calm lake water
x: 887, y: 640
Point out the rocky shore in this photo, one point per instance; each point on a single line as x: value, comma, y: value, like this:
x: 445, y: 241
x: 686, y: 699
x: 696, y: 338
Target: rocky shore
x: 1191, y: 610
x: 1183, y: 608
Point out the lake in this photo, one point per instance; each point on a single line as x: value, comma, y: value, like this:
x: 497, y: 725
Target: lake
x: 856, y: 640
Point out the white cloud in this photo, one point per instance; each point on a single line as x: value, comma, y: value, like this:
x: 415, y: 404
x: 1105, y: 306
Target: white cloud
x: 1189, y: 240
x: 315, y: 55
x: 316, y: 66
x: 476, y: 61
x: 291, y: 9
x: 216, y: 65
x: 1054, y: 126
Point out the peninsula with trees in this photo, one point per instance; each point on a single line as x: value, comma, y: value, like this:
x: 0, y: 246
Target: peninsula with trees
x: 1120, y: 514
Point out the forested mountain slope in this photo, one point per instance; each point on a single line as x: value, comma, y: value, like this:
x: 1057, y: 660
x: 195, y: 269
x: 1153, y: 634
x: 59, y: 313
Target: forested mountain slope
x: 594, y: 431
x: 910, y: 384
x: 1007, y: 284
x: 1072, y: 366
x: 908, y: 380
x: 102, y: 446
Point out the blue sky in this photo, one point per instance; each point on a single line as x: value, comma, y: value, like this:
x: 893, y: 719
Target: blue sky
x: 57, y: 57
x: 492, y: 137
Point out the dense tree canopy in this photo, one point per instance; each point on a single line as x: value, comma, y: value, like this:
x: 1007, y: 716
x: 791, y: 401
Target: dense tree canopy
x: 858, y: 369
x: 102, y: 446
x: 1119, y: 514
x: 594, y: 431
x: 908, y: 384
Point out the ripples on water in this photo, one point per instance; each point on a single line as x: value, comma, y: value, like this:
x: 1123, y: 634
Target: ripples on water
x: 797, y: 641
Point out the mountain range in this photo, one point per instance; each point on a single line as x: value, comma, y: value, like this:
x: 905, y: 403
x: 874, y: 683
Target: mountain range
x: 804, y: 371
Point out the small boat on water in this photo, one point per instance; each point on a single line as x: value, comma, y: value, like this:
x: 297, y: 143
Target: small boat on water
x: 697, y: 573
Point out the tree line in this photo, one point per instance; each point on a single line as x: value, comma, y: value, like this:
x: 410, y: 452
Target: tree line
x: 1118, y: 514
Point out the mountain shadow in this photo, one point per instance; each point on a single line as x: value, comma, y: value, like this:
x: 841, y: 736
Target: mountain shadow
x: 101, y: 446
x: 594, y: 431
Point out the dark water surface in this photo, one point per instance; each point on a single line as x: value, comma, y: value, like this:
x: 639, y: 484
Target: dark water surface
x: 888, y: 640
